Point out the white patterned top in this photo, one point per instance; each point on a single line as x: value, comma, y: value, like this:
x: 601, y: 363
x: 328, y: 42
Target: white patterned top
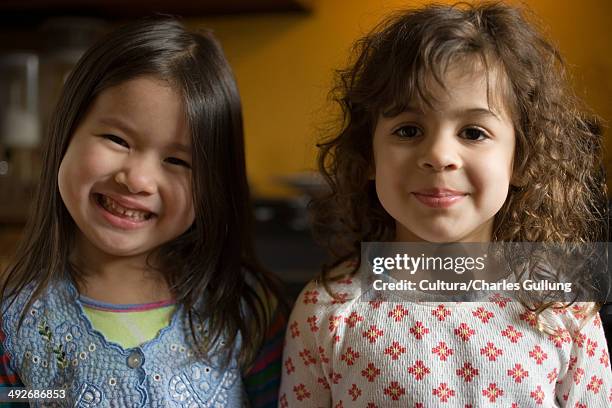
x: 351, y: 352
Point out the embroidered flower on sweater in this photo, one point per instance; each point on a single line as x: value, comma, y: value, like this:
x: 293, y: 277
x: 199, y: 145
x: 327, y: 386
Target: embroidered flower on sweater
x: 483, y: 314
x: 595, y: 384
x: 370, y: 372
x: 538, y: 395
x: 419, y: 330
x: 353, y: 319
x: 373, y: 333
x: 492, y: 392
x: 394, y: 390
x: 464, y: 332
x: 301, y: 392
x: 443, y: 351
x: 467, y: 372
x: 419, y: 370
x: 395, y: 350
x: 441, y: 312
x: 398, y: 313
x: 518, y: 373
x: 538, y: 354
x: 350, y: 356
x: 443, y: 392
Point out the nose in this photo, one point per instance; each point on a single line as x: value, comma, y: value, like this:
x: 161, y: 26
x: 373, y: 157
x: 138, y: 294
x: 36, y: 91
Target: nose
x: 138, y: 175
x: 439, y: 152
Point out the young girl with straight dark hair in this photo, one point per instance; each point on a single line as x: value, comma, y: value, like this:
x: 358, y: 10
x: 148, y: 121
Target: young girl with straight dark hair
x: 136, y: 282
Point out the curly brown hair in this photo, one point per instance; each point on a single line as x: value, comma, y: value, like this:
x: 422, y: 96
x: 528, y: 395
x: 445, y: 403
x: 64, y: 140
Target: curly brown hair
x: 559, y: 194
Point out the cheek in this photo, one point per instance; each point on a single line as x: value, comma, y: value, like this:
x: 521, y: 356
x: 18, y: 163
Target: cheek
x: 181, y: 198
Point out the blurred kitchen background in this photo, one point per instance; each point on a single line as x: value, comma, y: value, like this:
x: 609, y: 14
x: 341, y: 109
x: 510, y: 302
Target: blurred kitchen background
x: 283, y: 52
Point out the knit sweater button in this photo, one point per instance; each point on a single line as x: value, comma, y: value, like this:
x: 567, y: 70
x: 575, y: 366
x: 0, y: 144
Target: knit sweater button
x: 135, y: 359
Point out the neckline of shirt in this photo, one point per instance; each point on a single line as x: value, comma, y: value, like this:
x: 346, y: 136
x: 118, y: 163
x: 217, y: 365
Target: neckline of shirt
x: 122, y: 308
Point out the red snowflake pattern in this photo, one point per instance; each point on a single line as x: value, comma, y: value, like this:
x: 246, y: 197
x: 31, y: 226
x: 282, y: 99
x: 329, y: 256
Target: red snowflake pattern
x: 538, y: 395
x: 595, y: 384
x: 553, y: 375
x: 529, y: 317
x: 373, y: 333
x: 518, y: 373
x: 483, y: 314
x: 538, y: 354
x: 293, y: 328
x: 467, y: 372
x: 419, y: 330
x: 395, y: 350
x: 301, y: 392
x: 289, y: 367
x: 353, y: 319
x: 512, y: 334
x: 443, y: 351
x: 419, y: 370
x: 354, y: 392
x: 307, y: 357
x: 572, y: 362
x: 323, y: 356
x: 578, y: 375
x: 605, y: 358
x: 578, y: 311
x: 334, y: 377
x: 339, y: 298
x: 323, y: 382
x: 464, y: 332
x: 370, y: 372
x: 579, y: 338
x: 443, y: 392
x: 334, y: 323
x: 441, y: 313
x: 311, y: 296
x: 559, y: 337
x: 398, y: 313
x: 350, y: 356
x: 591, y: 347
x: 491, y: 352
x: 492, y: 392
x: 312, y: 322
x: 394, y: 390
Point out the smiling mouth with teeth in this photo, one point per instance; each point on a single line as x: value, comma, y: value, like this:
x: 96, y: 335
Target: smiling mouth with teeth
x: 114, y: 208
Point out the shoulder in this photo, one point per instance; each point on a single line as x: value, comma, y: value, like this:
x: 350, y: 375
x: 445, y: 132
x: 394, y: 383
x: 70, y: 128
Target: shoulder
x: 579, y: 315
x: 339, y: 290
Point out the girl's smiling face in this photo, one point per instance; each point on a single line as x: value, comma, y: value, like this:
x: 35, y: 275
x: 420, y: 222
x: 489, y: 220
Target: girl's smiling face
x: 443, y: 173
x: 125, y: 178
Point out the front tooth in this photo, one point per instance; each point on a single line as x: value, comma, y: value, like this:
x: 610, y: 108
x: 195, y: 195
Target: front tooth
x: 138, y: 215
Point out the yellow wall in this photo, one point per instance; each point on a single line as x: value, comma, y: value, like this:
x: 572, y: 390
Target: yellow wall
x: 284, y: 66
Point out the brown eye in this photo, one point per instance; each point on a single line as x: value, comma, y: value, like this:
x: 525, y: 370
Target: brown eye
x: 117, y: 140
x: 408, y: 132
x: 474, y: 134
x: 177, y: 162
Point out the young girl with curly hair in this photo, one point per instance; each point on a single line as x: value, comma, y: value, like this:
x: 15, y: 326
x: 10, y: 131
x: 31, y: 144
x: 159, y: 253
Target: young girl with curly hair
x: 458, y: 127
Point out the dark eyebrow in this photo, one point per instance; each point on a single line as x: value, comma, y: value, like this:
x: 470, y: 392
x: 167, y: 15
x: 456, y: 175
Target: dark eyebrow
x: 472, y: 111
x: 181, y: 147
x: 123, y: 126
x: 117, y: 123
